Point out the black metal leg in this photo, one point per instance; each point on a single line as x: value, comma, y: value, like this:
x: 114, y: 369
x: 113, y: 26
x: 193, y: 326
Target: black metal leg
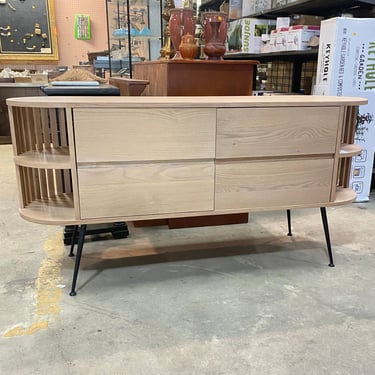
x: 71, y: 253
x: 289, y: 223
x: 81, y: 240
x: 326, y: 233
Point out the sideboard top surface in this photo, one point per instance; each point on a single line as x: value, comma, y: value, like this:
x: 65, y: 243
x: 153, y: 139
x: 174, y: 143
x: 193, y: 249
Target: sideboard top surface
x: 184, y: 101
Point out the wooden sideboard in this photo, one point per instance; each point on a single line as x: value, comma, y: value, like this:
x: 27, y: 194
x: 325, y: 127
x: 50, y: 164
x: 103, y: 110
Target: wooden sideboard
x: 196, y: 77
x: 160, y: 157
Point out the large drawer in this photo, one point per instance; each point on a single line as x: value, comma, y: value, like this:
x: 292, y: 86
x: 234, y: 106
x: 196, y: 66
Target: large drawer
x: 272, y: 184
x: 145, y: 189
x: 103, y: 135
x: 259, y: 132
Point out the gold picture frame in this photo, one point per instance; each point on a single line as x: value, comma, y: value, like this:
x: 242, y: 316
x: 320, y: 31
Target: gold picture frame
x: 30, y: 33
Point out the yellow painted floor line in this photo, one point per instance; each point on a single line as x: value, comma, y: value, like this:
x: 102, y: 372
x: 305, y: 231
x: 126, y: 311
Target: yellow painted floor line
x: 48, y: 289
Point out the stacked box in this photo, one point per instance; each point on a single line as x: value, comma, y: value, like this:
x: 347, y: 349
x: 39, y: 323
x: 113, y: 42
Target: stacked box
x: 346, y: 67
x: 245, y: 35
x: 248, y: 7
x: 281, y: 39
x: 235, y: 9
x: 299, y: 36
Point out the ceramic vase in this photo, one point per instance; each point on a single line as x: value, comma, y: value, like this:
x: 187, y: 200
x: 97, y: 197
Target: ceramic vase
x: 188, y: 47
x: 215, y: 33
x: 181, y: 22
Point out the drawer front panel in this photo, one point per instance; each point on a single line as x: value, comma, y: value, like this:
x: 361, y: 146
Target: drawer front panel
x: 146, y: 189
x: 259, y: 132
x: 266, y: 184
x: 144, y: 134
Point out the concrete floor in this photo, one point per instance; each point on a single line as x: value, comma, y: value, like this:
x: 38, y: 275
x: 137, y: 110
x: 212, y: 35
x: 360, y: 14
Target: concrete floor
x: 244, y: 299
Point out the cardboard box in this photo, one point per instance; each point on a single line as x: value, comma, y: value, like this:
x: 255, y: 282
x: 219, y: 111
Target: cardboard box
x: 299, y: 36
x: 282, y: 39
x: 39, y: 78
x: 278, y: 3
x: 303, y: 19
x: 261, y: 5
x: 273, y: 41
x: 248, y: 7
x: 235, y: 9
x: 346, y: 67
x: 22, y: 79
x: 245, y: 35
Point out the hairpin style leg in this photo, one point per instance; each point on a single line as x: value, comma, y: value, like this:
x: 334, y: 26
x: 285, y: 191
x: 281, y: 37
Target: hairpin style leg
x: 289, y: 223
x: 326, y: 233
x: 74, y: 234
x: 81, y: 240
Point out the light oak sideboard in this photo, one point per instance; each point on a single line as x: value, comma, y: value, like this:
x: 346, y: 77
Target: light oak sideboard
x: 83, y: 160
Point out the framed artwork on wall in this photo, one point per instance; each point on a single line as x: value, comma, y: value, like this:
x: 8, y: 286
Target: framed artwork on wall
x: 27, y: 31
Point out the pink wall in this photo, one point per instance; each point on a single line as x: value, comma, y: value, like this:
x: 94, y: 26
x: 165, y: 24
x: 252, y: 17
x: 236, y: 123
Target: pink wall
x: 71, y: 50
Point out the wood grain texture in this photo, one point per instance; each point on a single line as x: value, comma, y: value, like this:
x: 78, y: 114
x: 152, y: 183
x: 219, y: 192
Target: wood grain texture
x: 196, y: 77
x: 184, y: 101
x: 264, y: 184
x: 147, y: 134
x: 260, y: 132
x: 140, y: 189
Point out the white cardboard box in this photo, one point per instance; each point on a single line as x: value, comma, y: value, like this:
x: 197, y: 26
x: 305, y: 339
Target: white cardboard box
x: 299, y: 36
x: 346, y: 67
x: 282, y: 39
x: 245, y: 35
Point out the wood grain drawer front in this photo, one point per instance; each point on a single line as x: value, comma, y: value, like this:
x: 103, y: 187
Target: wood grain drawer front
x: 258, y: 132
x: 144, y: 134
x: 145, y: 189
x: 266, y: 184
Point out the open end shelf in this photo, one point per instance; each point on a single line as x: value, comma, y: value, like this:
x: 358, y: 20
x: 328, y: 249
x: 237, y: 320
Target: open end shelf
x: 58, y: 210
x: 54, y: 158
x: 349, y: 150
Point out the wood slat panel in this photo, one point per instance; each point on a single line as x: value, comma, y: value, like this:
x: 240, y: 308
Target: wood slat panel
x: 43, y: 183
x: 54, y: 128
x: 30, y: 117
x: 259, y: 132
x: 144, y: 134
x: 45, y: 127
x: 63, y: 127
x: 38, y: 129
x: 50, y: 183
x: 139, y: 189
x: 262, y: 184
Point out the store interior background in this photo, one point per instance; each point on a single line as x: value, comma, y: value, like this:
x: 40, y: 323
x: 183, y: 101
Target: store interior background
x: 71, y: 50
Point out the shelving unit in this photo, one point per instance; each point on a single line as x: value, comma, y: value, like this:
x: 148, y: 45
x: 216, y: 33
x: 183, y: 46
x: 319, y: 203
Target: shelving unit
x: 142, y: 43
x: 44, y: 163
x: 325, y: 8
x: 298, y: 58
x: 318, y: 8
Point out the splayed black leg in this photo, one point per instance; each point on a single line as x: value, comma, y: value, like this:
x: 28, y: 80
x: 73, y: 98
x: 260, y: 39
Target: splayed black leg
x: 71, y: 253
x: 326, y: 233
x: 81, y: 240
x: 289, y: 223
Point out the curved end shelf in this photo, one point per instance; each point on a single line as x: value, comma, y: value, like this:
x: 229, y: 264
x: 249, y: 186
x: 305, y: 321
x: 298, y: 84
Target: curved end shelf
x: 54, y: 158
x: 344, y: 196
x: 349, y: 150
x: 58, y: 210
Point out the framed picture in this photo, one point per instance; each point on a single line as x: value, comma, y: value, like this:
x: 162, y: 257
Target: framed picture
x: 28, y: 32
